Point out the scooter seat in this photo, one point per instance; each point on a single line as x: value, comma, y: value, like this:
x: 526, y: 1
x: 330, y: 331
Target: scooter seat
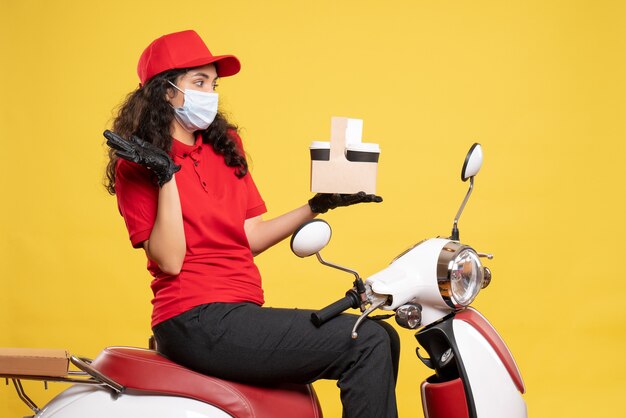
x: 146, y: 371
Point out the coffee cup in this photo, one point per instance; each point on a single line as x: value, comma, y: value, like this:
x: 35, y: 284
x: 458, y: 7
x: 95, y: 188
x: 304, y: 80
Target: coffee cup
x: 363, y: 152
x: 320, y: 150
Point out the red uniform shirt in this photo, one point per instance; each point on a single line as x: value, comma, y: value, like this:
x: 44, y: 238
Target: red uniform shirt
x: 218, y: 265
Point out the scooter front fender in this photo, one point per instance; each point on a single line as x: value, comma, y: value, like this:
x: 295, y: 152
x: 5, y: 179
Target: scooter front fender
x: 488, y: 383
x: 494, y: 378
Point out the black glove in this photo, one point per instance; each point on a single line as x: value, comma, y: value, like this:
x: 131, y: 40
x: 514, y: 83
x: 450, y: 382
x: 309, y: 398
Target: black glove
x: 144, y: 153
x: 322, y: 202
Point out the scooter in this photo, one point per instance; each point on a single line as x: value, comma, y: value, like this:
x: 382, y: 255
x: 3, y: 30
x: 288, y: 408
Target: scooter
x: 428, y: 287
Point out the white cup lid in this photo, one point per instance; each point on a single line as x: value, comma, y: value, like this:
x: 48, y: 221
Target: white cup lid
x: 319, y: 145
x: 364, y: 147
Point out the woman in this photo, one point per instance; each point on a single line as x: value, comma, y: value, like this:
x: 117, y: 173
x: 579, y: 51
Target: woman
x: 188, y: 200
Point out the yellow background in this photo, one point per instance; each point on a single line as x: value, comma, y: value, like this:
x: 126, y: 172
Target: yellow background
x: 539, y: 83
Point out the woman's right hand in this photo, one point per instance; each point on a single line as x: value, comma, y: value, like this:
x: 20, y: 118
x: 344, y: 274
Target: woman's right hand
x: 144, y: 153
x: 323, y: 202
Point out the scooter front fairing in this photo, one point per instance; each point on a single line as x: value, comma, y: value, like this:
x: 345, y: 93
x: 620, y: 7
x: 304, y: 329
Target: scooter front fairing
x: 475, y: 374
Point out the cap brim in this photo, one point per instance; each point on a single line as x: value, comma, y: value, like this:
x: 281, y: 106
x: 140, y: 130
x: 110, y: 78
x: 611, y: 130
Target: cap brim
x: 226, y: 65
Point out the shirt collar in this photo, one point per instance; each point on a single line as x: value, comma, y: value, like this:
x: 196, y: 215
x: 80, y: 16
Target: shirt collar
x: 183, y: 150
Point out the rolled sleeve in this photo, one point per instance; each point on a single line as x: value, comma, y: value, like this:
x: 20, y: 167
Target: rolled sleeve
x: 137, y: 200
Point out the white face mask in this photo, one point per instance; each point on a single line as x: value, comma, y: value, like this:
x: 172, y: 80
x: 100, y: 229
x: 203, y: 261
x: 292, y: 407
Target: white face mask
x: 198, y: 111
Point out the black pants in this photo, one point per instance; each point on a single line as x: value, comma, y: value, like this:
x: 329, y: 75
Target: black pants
x: 252, y: 344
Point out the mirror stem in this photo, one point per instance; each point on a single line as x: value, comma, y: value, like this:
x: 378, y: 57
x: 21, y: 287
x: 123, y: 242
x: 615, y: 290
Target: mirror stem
x: 455, y: 229
x: 347, y: 270
x: 455, y: 233
x: 359, y: 286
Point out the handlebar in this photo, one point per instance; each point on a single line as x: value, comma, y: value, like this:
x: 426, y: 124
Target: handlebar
x: 351, y: 300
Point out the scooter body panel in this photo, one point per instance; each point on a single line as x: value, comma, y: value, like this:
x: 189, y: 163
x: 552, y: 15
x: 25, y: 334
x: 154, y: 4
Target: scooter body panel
x: 82, y: 401
x: 480, y: 323
x: 493, y: 387
x: 473, y: 367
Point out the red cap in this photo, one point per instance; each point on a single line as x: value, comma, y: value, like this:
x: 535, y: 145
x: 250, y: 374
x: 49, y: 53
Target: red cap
x: 182, y: 50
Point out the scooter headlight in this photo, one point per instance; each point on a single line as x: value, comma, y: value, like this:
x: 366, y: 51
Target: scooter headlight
x: 459, y: 274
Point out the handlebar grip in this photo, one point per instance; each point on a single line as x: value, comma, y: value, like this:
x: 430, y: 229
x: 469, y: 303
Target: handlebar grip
x: 351, y: 300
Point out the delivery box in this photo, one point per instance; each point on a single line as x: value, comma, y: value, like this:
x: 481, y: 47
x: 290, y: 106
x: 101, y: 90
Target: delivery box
x: 345, y: 164
x: 33, y: 362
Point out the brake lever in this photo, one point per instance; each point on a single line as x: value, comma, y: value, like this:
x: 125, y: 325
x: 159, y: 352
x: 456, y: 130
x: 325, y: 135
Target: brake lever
x: 370, y: 309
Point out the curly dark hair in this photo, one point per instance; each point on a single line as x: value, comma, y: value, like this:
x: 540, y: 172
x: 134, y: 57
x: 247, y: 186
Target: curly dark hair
x: 146, y: 114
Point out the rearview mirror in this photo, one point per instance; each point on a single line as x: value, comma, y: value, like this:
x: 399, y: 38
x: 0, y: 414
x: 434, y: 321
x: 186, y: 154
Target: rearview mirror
x: 471, y: 167
x: 310, y: 238
x: 473, y: 162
